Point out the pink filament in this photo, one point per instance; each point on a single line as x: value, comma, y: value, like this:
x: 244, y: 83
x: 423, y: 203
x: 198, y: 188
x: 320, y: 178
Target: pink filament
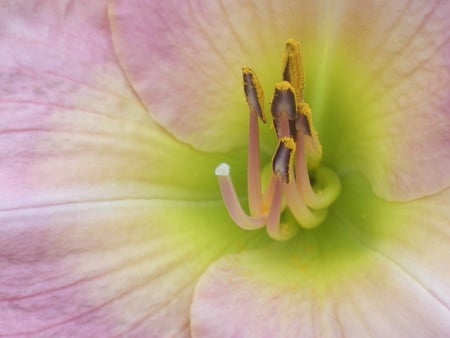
x: 273, y: 219
x: 234, y: 207
x: 253, y: 167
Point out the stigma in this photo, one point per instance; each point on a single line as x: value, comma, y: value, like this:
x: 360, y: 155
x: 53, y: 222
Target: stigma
x: 296, y: 159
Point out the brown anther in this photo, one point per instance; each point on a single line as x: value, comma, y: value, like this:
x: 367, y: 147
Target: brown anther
x: 253, y: 92
x: 302, y: 125
x: 284, y: 101
x: 283, y: 159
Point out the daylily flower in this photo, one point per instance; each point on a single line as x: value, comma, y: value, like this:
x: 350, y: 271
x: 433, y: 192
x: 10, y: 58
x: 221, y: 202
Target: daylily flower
x: 114, y: 116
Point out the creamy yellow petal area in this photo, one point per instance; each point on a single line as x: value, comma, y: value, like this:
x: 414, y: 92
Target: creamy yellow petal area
x: 377, y: 269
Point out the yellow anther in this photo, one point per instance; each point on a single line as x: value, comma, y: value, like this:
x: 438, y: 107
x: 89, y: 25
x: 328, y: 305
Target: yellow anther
x: 293, y: 67
x: 284, y: 85
x: 288, y: 142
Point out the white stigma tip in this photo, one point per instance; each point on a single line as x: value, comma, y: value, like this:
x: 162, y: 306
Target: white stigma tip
x: 222, y: 169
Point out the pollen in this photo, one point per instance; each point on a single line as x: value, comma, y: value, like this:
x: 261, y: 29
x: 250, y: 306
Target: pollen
x: 288, y: 142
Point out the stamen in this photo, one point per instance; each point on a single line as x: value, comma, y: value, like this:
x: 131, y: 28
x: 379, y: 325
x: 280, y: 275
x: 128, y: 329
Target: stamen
x: 297, y: 143
x: 254, y: 95
x: 232, y: 202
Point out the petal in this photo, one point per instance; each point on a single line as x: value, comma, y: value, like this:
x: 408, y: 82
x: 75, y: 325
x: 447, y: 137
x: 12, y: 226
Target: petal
x: 184, y: 60
x: 363, y: 273
x: 104, y: 269
x: 376, y: 77
x: 394, y: 107
x: 105, y: 218
x: 72, y: 128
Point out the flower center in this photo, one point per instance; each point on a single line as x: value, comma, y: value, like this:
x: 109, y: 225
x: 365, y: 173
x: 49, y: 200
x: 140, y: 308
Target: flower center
x: 295, y: 163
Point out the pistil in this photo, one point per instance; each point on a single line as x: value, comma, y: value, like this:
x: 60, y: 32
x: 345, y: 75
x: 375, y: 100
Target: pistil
x: 297, y: 155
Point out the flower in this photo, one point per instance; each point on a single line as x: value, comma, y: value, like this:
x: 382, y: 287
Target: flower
x: 114, y: 116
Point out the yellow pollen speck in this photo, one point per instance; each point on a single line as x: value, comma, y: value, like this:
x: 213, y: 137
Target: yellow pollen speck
x: 288, y: 142
x: 284, y: 85
x: 292, y: 46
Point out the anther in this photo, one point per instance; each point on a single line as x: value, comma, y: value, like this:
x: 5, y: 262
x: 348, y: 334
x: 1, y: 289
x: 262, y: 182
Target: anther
x: 283, y: 159
x: 311, y: 144
x: 302, y: 125
x: 284, y: 101
x: 292, y: 69
x: 253, y: 92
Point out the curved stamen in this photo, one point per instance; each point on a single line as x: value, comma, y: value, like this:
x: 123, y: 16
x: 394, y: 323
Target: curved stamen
x: 330, y: 182
x: 306, y: 217
x: 232, y: 203
x: 254, y: 95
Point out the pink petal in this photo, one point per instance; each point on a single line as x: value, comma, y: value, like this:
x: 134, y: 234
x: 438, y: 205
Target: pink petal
x: 69, y: 118
x: 105, y: 218
x: 184, y: 59
x: 404, y: 123
x: 104, y: 269
x: 375, y: 279
x: 377, y: 77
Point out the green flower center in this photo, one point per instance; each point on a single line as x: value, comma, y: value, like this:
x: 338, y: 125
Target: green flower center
x: 300, y: 188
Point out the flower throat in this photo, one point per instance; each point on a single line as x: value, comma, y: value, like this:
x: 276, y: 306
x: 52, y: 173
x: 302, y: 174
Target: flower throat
x: 296, y: 159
